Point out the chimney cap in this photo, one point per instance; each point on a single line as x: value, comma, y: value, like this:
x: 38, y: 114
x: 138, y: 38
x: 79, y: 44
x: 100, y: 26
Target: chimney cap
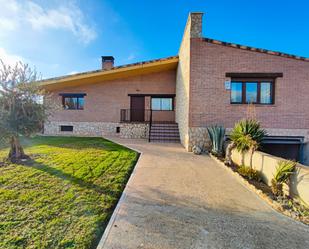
x: 108, y: 58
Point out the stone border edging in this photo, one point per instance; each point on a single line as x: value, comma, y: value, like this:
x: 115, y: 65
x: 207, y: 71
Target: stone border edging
x: 121, y: 199
x: 273, y: 204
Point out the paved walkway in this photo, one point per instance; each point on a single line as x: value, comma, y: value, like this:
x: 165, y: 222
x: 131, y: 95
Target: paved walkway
x: 175, y: 199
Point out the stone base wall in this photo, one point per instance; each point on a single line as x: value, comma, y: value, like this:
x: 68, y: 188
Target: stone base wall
x: 127, y: 130
x: 199, y: 136
x: 82, y: 128
x: 134, y: 130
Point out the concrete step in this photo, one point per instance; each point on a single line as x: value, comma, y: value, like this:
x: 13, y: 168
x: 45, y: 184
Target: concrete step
x: 164, y: 132
x: 164, y: 137
x: 164, y: 129
x: 164, y: 125
x: 159, y: 140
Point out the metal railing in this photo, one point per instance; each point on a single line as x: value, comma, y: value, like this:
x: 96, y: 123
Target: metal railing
x: 135, y: 115
x: 146, y: 116
x: 150, y: 124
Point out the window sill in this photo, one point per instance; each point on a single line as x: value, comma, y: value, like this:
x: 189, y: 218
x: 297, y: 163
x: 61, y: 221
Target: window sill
x: 162, y: 110
x: 73, y: 109
x: 255, y: 105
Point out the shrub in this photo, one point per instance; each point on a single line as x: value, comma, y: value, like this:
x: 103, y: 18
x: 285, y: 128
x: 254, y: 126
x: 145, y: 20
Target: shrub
x: 283, y: 172
x: 249, y: 172
x: 247, y: 135
x: 216, y: 134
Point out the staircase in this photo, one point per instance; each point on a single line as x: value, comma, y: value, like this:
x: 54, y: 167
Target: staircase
x: 164, y: 132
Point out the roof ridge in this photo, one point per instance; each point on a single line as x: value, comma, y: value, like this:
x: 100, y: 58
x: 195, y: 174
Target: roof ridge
x: 254, y: 49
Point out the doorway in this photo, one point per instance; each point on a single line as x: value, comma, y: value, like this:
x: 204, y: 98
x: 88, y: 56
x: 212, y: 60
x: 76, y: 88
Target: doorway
x: 137, y: 109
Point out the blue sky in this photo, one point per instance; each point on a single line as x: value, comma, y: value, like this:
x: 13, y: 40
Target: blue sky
x: 63, y: 37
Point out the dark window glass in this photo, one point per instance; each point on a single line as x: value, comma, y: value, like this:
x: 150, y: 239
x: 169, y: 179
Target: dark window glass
x: 266, y: 93
x: 236, y: 92
x: 73, y: 103
x: 162, y: 104
x: 80, y: 103
x: 251, y: 92
x: 66, y: 128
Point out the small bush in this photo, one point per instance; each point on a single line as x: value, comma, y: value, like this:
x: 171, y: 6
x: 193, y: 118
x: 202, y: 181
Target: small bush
x: 276, y: 188
x: 283, y: 172
x: 250, y: 173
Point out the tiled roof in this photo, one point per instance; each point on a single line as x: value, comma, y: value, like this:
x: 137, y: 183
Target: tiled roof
x: 260, y: 50
x: 114, y: 68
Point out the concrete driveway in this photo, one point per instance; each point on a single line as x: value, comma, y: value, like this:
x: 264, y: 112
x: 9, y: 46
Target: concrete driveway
x: 175, y: 199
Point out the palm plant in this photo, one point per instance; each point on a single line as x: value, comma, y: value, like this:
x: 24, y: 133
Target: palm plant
x: 216, y: 134
x: 247, y: 135
x: 283, y: 172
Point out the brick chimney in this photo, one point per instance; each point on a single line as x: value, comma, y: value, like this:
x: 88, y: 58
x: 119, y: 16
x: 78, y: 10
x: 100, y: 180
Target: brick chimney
x: 107, y: 62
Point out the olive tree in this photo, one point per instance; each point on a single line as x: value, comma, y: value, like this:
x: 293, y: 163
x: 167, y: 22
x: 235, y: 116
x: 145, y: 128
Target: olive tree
x: 22, y: 109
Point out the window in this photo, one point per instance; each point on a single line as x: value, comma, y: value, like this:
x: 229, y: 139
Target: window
x: 252, y: 91
x: 236, y: 92
x: 162, y: 104
x: 66, y: 128
x: 73, y: 101
x: 266, y: 93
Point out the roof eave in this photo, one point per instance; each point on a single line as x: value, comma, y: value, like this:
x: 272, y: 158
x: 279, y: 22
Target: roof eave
x: 104, y: 75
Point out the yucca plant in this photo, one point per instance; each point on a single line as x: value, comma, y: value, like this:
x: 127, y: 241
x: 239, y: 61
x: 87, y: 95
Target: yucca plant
x: 216, y: 134
x: 247, y: 135
x: 283, y: 172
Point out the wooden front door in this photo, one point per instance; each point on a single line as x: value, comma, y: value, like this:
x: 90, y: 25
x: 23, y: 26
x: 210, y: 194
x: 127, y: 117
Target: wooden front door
x: 137, y: 109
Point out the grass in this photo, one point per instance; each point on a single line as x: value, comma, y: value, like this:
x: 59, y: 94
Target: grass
x: 64, y: 196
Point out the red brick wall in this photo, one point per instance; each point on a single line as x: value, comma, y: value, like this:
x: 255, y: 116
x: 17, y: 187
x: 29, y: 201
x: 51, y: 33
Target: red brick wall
x: 210, y: 102
x: 104, y: 100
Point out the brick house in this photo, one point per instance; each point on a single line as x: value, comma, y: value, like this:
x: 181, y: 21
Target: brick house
x: 176, y: 98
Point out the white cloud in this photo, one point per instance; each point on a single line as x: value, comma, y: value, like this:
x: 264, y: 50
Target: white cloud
x: 73, y: 72
x: 67, y: 16
x: 9, y: 59
x: 131, y: 57
x: 8, y: 12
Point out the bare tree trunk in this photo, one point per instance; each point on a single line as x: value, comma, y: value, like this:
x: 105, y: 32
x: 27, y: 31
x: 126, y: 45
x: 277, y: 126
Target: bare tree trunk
x: 242, y: 158
x: 251, y: 157
x: 228, y: 157
x: 16, y: 152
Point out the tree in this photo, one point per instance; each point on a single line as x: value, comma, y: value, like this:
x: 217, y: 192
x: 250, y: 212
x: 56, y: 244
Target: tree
x: 22, y: 111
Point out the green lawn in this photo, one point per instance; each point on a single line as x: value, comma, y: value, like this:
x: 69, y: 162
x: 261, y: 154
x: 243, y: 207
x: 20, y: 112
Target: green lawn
x: 64, y: 196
